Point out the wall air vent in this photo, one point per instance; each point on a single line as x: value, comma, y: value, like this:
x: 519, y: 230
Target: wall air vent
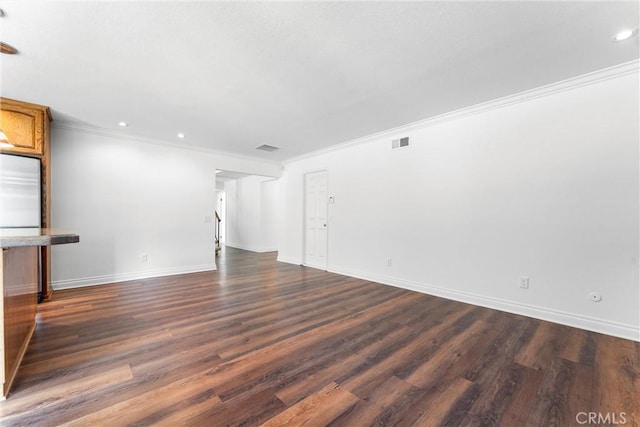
x: 265, y: 147
x: 399, y: 143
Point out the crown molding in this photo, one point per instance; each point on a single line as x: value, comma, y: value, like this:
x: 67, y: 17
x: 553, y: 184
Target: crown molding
x: 594, y: 77
x: 616, y: 71
x: 95, y: 130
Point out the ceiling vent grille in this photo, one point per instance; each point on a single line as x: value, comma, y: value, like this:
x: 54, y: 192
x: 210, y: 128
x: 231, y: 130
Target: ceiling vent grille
x: 400, y: 143
x: 265, y: 147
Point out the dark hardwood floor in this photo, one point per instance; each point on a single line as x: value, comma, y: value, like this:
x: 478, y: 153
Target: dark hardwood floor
x: 264, y: 342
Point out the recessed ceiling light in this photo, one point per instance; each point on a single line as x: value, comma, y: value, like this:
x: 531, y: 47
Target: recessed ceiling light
x: 181, y: 135
x: 624, y: 35
x: 123, y: 124
x: 218, y: 171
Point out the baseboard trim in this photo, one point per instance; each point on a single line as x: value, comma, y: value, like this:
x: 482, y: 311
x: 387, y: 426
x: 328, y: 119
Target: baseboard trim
x: 319, y: 267
x: 620, y: 330
x: 252, y: 249
x: 123, y: 277
x: 289, y: 260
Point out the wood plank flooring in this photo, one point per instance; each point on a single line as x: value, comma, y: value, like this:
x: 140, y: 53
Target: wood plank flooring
x: 265, y: 343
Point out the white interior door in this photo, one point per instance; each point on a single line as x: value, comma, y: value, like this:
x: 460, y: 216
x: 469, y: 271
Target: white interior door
x: 315, y: 215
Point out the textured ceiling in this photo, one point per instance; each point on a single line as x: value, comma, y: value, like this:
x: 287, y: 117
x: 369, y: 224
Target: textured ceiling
x: 300, y: 76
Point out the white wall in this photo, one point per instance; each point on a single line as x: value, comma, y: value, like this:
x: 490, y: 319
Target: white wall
x: 251, y: 213
x: 231, y: 216
x: 127, y: 197
x: 545, y: 187
x: 269, y: 208
x: 243, y: 213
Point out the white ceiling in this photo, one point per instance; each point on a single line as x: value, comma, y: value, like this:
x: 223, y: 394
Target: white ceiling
x: 297, y: 75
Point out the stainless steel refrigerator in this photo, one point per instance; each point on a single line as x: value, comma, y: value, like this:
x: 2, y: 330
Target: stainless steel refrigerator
x: 19, y: 191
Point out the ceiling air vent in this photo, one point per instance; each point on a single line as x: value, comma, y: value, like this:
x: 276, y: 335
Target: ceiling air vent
x: 265, y: 147
x: 399, y: 143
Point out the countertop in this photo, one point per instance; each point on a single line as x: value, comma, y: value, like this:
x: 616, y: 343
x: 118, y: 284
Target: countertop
x: 14, y: 237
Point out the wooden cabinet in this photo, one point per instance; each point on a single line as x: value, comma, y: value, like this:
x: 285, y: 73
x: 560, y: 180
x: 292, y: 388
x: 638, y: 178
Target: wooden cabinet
x: 27, y: 127
x: 18, y: 290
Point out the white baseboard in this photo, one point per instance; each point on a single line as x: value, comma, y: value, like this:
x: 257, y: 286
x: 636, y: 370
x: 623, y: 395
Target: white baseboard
x: 122, y: 277
x: 289, y: 260
x: 621, y: 330
x: 251, y: 248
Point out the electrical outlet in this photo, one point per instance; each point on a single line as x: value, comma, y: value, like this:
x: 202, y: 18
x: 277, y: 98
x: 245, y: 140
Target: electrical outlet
x: 207, y: 218
x: 388, y: 262
x: 145, y: 257
x: 524, y: 282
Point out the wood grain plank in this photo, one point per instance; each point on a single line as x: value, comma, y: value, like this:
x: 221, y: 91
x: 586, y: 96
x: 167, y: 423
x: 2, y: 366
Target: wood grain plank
x: 306, y: 384
x: 92, y: 354
x: 496, y: 396
x: 439, y: 404
x: 133, y: 410
x: 518, y: 409
x: 51, y: 395
x: 367, y: 411
x: 375, y: 370
x: 250, y: 367
x: 551, y: 404
x: 446, y: 354
x: 580, y: 390
x: 259, y: 341
x: 318, y: 409
x: 547, y: 341
x: 616, y: 380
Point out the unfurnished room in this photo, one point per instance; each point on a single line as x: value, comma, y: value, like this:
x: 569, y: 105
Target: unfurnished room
x: 313, y: 213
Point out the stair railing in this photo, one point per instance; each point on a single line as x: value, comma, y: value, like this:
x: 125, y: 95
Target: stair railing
x: 217, y: 232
